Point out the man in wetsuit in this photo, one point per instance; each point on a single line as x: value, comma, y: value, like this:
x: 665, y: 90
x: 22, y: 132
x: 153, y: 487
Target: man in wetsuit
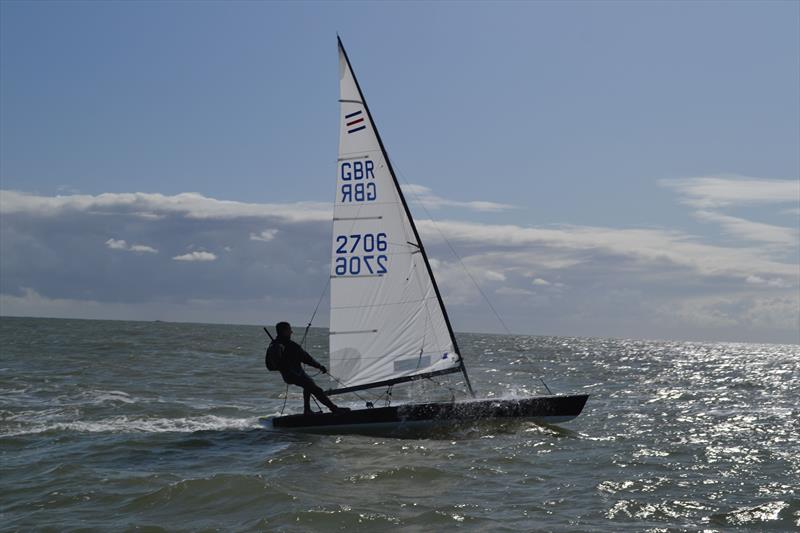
x: 293, y: 374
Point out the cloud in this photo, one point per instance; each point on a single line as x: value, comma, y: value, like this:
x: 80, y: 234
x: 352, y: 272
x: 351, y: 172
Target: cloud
x: 51, y: 247
x: 154, y: 206
x: 425, y: 197
x: 143, y: 248
x: 755, y: 280
x: 265, y: 236
x: 749, y: 230
x: 494, y: 276
x: 115, y: 244
x: 722, y: 191
x: 196, y: 256
x: 713, y: 193
x: 750, y: 310
x: 514, y: 291
x: 572, y: 245
x: 610, y: 279
x: 634, y: 282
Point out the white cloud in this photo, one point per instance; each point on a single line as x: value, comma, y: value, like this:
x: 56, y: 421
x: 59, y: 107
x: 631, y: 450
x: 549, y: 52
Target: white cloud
x: 143, y: 249
x: 711, y: 193
x: 749, y: 230
x: 196, y: 256
x: 121, y: 244
x: 154, y: 206
x: 572, y: 245
x: 513, y: 291
x: 602, y: 280
x: 425, y: 197
x: 744, y: 310
x: 492, y: 275
x: 265, y: 236
x: 775, y: 282
x: 721, y: 191
x: 116, y: 245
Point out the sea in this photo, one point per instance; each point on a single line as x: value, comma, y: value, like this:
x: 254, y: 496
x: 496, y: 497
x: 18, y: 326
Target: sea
x: 153, y: 426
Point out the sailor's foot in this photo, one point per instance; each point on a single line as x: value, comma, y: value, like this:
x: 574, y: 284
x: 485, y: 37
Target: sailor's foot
x: 307, y: 412
x: 340, y: 410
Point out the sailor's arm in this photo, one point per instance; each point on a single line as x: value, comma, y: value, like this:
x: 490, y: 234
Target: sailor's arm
x: 306, y: 359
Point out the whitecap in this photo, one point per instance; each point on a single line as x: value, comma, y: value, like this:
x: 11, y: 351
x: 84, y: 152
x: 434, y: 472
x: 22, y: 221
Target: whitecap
x: 101, y: 396
x: 125, y: 424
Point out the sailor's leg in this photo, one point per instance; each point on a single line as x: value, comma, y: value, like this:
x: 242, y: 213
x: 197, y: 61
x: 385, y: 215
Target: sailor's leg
x: 322, y: 397
x: 306, y: 401
x: 319, y: 394
x: 309, y: 387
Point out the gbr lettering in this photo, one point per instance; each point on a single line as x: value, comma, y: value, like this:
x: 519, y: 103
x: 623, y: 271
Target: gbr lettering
x: 357, y: 182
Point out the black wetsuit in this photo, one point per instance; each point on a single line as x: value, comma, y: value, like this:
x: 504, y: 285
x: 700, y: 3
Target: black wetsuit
x: 291, y: 371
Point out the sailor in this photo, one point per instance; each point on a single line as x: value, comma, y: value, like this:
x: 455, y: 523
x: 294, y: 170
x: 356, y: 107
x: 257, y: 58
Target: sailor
x: 291, y: 371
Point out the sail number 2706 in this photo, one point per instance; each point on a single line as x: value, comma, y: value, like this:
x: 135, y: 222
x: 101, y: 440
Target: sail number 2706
x: 359, y: 254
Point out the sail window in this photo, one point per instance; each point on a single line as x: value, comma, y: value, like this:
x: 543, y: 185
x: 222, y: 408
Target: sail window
x: 404, y: 365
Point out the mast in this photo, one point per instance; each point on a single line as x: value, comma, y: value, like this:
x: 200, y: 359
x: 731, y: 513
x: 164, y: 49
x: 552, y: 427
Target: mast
x: 462, y: 367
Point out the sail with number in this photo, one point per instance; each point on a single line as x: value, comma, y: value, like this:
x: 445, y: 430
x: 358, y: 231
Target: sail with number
x: 388, y: 323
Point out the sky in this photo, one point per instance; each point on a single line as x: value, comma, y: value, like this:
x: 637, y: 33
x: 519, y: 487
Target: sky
x: 608, y: 169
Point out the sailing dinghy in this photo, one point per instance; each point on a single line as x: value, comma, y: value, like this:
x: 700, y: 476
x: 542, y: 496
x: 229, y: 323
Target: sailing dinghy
x: 388, y: 323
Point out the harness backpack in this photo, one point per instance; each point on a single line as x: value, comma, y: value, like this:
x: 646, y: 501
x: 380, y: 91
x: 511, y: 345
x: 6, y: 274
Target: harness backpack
x: 274, y: 357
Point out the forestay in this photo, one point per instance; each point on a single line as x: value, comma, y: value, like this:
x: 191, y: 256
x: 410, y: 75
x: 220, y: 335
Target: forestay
x: 387, y: 321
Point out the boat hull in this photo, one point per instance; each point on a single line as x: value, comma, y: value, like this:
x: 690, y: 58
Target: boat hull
x: 541, y: 409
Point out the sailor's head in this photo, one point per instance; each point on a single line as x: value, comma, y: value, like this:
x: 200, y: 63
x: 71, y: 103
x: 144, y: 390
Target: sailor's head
x: 284, y: 330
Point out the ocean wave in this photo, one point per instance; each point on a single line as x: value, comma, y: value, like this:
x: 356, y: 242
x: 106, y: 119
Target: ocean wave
x: 759, y: 514
x: 125, y: 424
x: 97, y: 397
x: 51, y: 395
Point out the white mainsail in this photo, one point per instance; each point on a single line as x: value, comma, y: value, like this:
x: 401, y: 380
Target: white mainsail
x: 387, y: 320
